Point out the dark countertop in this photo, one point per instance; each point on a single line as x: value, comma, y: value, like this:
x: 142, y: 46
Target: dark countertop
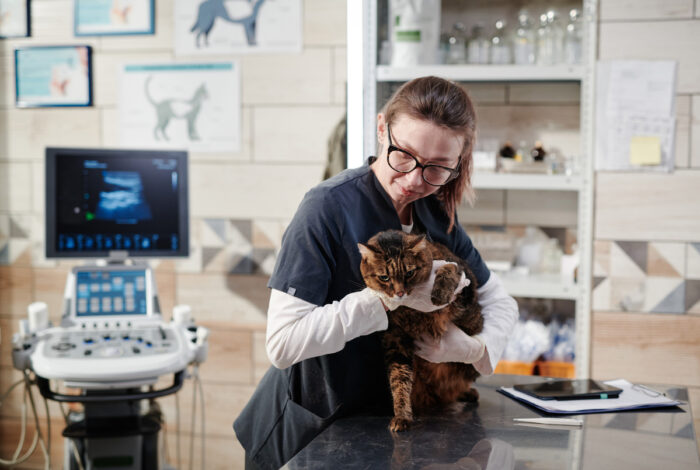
x: 485, y: 437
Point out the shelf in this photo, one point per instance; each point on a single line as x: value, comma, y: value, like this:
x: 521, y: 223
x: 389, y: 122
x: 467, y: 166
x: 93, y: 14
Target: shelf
x: 489, y: 180
x: 544, y: 286
x: 483, y: 73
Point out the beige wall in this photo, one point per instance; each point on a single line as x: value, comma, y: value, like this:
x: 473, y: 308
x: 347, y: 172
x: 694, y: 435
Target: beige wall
x: 239, y: 202
x: 290, y: 104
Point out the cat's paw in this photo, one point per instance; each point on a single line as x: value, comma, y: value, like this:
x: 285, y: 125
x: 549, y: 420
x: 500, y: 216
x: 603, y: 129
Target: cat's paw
x: 446, y: 281
x: 399, y: 424
x: 470, y: 396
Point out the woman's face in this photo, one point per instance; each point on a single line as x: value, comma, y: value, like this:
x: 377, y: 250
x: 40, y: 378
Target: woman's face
x: 427, y: 142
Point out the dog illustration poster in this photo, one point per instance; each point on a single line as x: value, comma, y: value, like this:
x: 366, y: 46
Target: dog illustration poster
x: 53, y: 76
x: 181, y: 105
x: 237, y: 26
x: 113, y: 17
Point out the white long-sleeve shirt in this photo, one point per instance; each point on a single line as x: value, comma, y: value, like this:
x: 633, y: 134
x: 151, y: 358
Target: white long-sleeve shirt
x: 298, y: 330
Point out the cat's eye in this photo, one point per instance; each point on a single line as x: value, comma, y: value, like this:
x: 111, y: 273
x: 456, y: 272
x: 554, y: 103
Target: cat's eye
x: 410, y: 273
x: 383, y: 278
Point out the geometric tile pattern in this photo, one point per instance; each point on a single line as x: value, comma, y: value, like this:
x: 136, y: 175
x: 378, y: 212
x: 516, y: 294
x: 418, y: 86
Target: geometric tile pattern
x: 238, y: 246
x: 15, y: 239
x: 659, y: 277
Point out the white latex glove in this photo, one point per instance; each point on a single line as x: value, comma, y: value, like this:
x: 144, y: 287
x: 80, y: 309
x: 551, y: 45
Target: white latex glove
x: 419, y: 299
x: 454, y: 346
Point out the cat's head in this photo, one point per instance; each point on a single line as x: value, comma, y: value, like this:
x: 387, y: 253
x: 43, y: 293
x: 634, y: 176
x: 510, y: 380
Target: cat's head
x: 393, y: 262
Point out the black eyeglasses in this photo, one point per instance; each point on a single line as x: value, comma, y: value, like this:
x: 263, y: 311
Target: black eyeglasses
x: 403, y: 162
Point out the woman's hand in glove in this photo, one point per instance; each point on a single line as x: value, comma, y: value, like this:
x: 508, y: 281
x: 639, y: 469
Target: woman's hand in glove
x: 454, y: 346
x: 419, y: 298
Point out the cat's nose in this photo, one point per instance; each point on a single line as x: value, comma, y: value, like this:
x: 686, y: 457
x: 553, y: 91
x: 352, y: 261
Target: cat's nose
x: 400, y: 293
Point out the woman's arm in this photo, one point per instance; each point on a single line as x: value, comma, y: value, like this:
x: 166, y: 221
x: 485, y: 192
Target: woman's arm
x: 298, y: 330
x: 500, y: 313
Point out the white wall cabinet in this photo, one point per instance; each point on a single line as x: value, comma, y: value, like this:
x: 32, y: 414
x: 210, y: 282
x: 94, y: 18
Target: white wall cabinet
x: 377, y: 82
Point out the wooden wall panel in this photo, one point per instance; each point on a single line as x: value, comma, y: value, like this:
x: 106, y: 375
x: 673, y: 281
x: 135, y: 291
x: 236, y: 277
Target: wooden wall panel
x: 648, y: 206
x: 645, y: 9
x: 648, y: 348
x: 656, y: 40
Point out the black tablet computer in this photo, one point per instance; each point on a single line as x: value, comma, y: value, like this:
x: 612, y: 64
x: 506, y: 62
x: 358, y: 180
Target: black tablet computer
x: 578, y: 389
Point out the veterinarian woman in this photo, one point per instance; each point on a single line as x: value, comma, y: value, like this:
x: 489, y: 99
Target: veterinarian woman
x: 323, y: 329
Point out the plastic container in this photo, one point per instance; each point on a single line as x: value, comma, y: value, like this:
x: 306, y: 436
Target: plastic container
x: 564, y: 370
x: 515, y: 367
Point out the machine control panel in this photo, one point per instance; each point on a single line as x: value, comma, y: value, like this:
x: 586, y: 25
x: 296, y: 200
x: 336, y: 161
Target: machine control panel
x: 111, y: 343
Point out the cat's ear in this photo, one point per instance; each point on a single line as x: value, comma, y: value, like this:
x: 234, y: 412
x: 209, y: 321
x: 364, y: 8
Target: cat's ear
x: 365, y: 251
x: 418, y: 243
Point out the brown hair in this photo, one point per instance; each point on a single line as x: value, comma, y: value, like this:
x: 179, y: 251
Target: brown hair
x: 445, y: 104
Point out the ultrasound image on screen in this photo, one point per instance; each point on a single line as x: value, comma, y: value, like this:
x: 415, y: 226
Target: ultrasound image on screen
x: 113, y: 200
x: 123, y: 200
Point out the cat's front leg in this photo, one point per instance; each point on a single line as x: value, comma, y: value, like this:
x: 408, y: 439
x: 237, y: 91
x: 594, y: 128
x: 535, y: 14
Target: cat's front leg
x: 447, y: 279
x: 401, y: 383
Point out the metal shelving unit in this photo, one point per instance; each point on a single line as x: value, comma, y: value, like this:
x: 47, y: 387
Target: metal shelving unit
x: 375, y: 76
x: 486, y: 73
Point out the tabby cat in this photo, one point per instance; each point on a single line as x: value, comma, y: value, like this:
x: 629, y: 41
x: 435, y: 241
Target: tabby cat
x: 393, y: 263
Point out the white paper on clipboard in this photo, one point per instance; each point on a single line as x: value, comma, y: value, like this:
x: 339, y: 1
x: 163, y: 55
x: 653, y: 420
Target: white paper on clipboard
x: 634, y: 98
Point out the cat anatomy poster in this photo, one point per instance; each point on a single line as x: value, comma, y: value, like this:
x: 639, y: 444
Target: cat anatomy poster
x: 195, y: 106
x: 237, y: 26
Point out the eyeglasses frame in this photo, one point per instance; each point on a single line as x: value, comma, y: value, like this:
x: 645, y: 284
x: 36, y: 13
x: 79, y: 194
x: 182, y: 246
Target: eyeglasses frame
x: 454, y: 172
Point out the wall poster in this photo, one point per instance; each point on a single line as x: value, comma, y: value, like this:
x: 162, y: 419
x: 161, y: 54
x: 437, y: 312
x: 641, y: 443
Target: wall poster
x: 181, y: 105
x: 14, y: 18
x: 113, y: 17
x: 237, y: 26
x: 53, y: 76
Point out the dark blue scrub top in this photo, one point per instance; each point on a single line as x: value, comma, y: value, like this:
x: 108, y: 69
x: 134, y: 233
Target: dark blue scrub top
x: 319, y: 262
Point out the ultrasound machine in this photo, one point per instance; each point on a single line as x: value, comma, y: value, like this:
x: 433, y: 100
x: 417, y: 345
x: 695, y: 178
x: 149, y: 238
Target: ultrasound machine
x: 116, y: 208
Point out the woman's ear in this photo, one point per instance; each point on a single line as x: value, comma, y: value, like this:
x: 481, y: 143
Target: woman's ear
x: 381, y: 127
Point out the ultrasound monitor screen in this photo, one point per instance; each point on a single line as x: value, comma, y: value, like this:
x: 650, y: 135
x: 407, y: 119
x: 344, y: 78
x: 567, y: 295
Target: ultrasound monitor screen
x: 103, y: 201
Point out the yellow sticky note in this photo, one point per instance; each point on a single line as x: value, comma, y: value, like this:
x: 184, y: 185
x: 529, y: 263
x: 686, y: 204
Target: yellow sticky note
x: 645, y: 150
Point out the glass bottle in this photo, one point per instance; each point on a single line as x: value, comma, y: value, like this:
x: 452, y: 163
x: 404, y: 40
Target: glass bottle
x: 538, y: 153
x: 478, y: 48
x: 524, y: 40
x: 545, y: 55
x: 456, y: 45
x: 557, y: 32
x: 573, y: 38
x: 500, y: 46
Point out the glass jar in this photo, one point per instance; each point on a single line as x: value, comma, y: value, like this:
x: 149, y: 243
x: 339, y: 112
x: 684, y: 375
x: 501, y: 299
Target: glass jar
x: 557, y: 31
x: 545, y: 54
x: 478, y: 47
x: 500, y: 46
x: 457, y: 45
x: 573, y: 38
x: 524, y: 40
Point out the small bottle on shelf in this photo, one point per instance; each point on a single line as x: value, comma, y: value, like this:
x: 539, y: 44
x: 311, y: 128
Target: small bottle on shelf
x: 538, y: 153
x: 573, y: 38
x: 456, y: 45
x: 545, y: 54
x: 478, y: 47
x: 524, y: 40
x: 507, y: 151
x: 500, y: 46
x: 522, y: 154
x: 557, y: 31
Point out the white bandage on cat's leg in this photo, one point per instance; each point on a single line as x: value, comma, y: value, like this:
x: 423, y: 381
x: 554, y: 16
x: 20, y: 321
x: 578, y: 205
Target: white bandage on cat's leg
x: 419, y: 298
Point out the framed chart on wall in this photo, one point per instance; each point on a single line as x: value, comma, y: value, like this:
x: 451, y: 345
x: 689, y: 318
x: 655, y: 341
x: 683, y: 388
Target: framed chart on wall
x: 191, y: 105
x: 14, y: 19
x: 113, y: 17
x: 53, y: 76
